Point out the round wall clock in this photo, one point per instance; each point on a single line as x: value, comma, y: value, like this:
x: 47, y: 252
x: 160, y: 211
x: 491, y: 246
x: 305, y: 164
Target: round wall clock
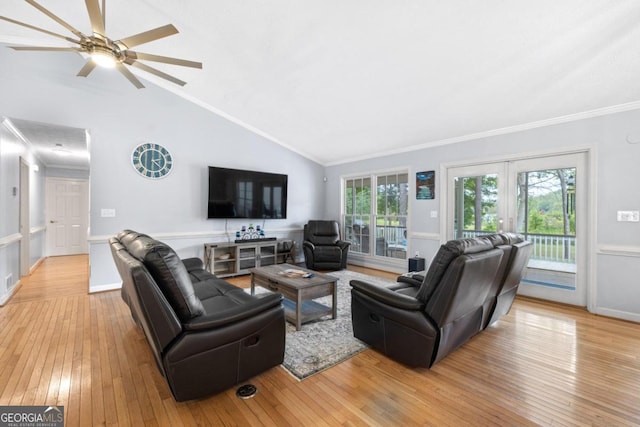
x: 152, y: 160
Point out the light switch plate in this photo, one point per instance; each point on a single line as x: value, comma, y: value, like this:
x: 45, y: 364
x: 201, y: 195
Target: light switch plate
x: 628, y: 216
x: 108, y: 213
x: 434, y: 214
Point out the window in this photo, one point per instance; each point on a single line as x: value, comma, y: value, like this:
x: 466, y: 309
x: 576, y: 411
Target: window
x: 376, y: 221
x: 357, y: 213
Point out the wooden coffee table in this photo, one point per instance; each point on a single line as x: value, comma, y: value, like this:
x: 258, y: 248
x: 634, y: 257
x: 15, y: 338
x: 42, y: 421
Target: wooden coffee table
x: 299, y: 292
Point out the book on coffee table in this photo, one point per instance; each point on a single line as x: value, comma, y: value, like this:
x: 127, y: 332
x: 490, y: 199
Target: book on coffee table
x: 290, y: 272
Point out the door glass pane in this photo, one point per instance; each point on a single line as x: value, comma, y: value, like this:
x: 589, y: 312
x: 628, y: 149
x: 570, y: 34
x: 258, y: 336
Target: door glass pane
x: 546, y: 215
x: 476, y: 205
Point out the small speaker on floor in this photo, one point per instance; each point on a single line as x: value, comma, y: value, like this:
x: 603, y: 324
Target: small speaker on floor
x: 246, y: 391
x: 416, y: 264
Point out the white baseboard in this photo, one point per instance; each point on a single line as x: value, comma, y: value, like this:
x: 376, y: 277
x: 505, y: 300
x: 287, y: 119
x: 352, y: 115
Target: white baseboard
x: 378, y: 264
x: 36, y: 264
x: 105, y: 288
x: 6, y: 297
x: 624, y: 315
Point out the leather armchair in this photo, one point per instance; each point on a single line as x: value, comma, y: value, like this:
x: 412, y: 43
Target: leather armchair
x: 420, y: 325
x: 323, y: 249
x: 206, y: 335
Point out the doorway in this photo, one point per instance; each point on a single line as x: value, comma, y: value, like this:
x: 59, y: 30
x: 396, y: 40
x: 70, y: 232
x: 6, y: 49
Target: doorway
x: 543, y: 198
x: 67, y: 207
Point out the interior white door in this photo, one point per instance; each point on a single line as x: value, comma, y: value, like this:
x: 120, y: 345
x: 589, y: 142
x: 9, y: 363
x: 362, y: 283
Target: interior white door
x: 67, y: 208
x: 489, y: 197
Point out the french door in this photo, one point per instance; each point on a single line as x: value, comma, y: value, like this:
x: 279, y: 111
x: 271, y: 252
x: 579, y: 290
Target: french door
x: 542, y: 198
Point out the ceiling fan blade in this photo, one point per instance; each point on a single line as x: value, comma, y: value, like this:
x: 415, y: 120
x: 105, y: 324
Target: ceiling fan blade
x: 165, y: 59
x: 96, y: 17
x: 129, y: 75
x: 42, y: 30
x: 157, y: 72
x: 47, y: 48
x: 55, y: 18
x: 148, y: 36
x: 87, y: 68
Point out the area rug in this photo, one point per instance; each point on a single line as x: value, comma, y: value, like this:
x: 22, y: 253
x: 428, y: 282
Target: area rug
x: 326, y: 342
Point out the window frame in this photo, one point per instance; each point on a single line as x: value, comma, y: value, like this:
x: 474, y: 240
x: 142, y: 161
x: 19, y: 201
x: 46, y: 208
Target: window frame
x: 371, y: 219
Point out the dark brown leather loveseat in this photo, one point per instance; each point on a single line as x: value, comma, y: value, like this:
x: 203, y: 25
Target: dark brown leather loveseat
x: 205, y: 334
x: 420, y: 322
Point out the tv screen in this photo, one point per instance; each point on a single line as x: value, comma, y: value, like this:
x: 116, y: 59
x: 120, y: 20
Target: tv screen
x: 235, y: 193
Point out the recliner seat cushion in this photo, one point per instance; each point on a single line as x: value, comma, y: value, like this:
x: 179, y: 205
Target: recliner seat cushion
x: 170, y: 274
x: 327, y: 254
x: 217, y: 295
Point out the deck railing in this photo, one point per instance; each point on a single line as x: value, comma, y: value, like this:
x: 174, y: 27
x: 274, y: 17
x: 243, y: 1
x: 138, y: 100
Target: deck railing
x: 546, y: 247
x: 392, y: 234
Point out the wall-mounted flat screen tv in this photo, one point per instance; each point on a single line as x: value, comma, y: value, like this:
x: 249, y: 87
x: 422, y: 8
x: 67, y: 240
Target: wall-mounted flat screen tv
x: 235, y: 193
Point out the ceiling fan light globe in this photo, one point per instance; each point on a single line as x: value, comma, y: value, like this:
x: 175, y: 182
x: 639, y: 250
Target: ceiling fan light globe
x: 103, y: 59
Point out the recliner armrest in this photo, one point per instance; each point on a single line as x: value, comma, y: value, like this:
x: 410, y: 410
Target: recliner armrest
x: 235, y: 314
x: 387, y: 296
x: 343, y: 244
x: 307, y: 244
x: 193, y: 264
x: 411, y: 280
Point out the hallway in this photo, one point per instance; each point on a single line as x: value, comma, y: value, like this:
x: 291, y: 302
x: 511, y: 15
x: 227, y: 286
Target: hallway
x: 55, y: 277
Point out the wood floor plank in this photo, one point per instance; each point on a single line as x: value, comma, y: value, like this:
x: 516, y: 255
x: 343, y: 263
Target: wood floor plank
x: 86, y: 399
x: 542, y: 364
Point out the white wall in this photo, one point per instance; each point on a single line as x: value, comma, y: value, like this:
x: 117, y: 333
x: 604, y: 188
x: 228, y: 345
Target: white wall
x: 11, y: 150
x: 119, y: 117
x: 616, y: 252
x: 37, y: 220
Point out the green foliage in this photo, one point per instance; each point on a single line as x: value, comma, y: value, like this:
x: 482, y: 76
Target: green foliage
x: 488, y: 192
x: 543, y: 195
x: 545, y: 206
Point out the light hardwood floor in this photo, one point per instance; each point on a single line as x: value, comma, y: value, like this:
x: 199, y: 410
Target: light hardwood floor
x: 542, y: 364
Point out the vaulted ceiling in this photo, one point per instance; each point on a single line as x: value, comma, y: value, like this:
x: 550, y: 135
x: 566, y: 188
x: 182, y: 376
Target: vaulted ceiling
x: 345, y: 80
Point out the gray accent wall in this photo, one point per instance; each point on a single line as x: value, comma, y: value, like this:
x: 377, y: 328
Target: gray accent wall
x: 613, y: 143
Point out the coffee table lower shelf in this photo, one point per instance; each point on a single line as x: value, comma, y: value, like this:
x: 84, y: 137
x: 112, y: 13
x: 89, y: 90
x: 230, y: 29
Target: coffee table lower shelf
x: 310, y: 310
x: 299, y: 292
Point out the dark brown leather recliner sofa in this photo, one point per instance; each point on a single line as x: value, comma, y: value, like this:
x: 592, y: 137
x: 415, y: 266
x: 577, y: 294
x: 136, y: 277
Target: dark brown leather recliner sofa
x: 420, y: 322
x: 206, y: 335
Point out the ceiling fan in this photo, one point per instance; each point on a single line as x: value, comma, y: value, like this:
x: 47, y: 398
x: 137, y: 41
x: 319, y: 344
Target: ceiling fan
x: 107, y: 52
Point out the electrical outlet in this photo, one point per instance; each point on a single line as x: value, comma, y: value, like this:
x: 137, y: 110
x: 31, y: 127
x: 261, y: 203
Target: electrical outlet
x: 434, y: 214
x: 628, y: 216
